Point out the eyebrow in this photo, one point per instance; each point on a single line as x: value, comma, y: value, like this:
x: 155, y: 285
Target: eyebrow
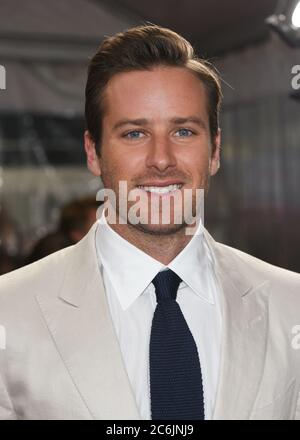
x: 175, y: 120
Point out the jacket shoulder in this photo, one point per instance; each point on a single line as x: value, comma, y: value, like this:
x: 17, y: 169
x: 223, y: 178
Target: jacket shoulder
x: 282, y: 280
x: 20, y: 284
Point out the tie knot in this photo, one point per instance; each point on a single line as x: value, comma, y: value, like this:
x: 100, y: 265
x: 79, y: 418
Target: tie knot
x: 166, y: 284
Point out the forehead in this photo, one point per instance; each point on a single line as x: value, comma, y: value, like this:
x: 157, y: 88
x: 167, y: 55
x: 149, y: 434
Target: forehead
x: 161, y: 91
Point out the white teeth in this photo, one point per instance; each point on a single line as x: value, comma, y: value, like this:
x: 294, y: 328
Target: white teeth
x: 161, y: 189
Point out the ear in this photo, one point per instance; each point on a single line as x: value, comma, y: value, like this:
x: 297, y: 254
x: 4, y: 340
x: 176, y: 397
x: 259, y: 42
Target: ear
x: 93, y: 161
x: 215, y: 158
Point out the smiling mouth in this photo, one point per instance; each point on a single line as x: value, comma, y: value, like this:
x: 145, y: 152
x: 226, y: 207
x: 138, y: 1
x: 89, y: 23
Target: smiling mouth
x: 161, y: 189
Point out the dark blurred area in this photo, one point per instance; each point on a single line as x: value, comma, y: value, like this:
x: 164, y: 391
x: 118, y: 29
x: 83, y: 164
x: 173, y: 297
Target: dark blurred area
x: 45, y: 48
x: 75, y: 219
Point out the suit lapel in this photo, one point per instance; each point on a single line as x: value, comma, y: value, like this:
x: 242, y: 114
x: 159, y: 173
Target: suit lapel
x: 81, y: 326
x: 244, y: 297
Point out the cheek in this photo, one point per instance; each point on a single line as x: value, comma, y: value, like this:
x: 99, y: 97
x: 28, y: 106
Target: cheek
x: 196, y: 161
x: 120, y: 165
x: 131, y: 160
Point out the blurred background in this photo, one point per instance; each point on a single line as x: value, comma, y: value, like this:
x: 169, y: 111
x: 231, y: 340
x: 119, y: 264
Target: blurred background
x: 47, y: 195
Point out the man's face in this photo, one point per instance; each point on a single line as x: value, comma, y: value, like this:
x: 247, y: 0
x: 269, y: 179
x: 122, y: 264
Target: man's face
x: 155, y: 134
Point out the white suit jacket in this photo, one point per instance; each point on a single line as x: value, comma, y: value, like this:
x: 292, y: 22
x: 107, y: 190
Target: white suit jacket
x: 60, y: 357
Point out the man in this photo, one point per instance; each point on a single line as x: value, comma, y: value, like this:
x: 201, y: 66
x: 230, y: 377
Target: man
x: 142, y: 319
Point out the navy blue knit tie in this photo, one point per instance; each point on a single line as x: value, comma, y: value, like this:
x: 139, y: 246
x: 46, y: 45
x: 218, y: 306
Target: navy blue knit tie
x: 175, y: 373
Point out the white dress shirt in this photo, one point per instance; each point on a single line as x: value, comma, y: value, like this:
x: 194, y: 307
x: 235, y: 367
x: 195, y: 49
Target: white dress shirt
x: 127, y: 274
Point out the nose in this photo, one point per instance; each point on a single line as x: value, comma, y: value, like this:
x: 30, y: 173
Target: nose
x: 161, y: 154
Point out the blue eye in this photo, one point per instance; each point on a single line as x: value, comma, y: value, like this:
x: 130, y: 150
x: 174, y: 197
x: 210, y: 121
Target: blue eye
x: 132, y: 132
x: 185, y: 130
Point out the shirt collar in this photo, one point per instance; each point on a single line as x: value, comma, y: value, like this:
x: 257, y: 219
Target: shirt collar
x: 130, y: 270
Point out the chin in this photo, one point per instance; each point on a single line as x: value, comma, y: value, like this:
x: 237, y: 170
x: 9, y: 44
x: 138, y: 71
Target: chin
x: 160, y: 229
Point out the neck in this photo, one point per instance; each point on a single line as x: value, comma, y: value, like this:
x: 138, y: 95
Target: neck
x: 162, y: 247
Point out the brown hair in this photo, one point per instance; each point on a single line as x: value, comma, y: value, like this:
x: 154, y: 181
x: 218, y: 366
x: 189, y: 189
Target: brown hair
x: 141, y: 48
x: 74, y: 214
